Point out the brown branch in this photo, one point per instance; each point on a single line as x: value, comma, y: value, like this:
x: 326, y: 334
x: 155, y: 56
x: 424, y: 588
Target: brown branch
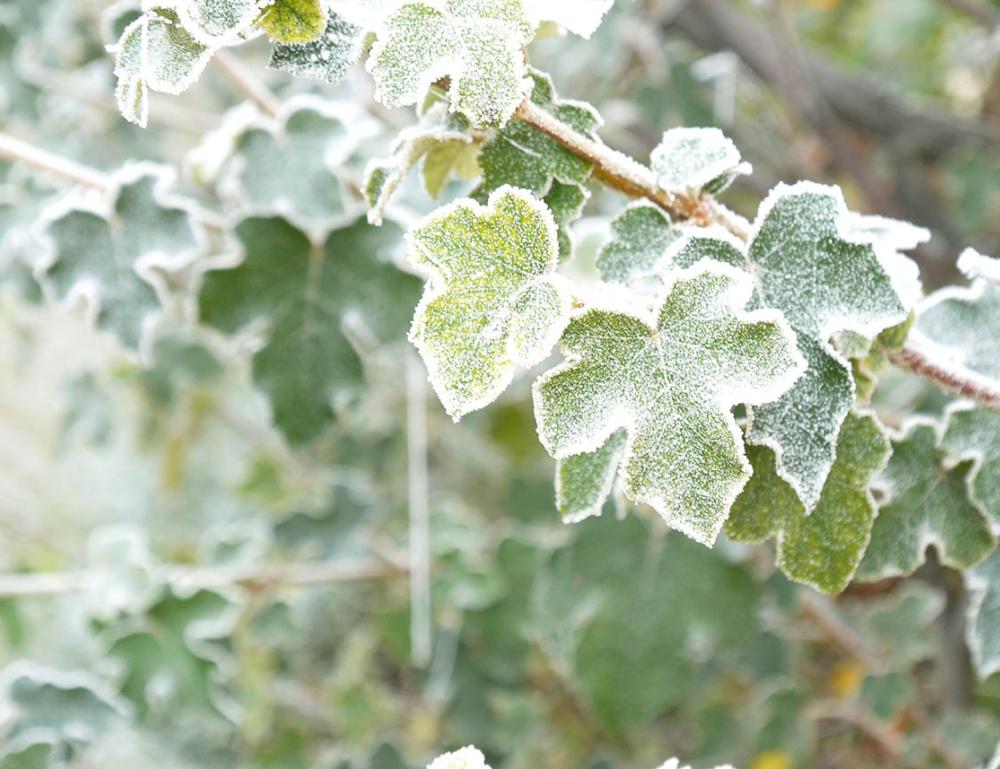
x: 982, y: 390
x: 627, y: 175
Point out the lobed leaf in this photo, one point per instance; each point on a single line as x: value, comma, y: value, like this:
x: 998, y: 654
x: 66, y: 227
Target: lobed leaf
x: 477, y: 43
x: 492, y: 302
x: 155, y: 52
x: 584, y: 481
x: 822, y: 549
x: 327, y: 58
x: 639, y: 246
x: 311, y: 296
x: 116, y: 258
x: 927, y: 503
x: 670, y: 380
x: 692, y: 159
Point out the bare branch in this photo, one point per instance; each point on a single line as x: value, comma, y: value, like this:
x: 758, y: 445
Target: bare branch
x: 19, y: 151
x: 243, y: 81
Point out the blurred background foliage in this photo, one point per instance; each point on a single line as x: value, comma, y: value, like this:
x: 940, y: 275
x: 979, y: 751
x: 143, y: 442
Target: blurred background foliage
x: 206, y: 596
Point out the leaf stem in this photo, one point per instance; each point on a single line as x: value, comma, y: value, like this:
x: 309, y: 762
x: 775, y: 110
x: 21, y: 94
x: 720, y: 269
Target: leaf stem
x: 18, y: 151
x: 213, y: 577
x: 625, y: 174
x: 980, y: 389
x: 243, y: 81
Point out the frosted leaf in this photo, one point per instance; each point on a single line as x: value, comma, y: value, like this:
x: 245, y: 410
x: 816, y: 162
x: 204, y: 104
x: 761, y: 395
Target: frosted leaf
x: 889, y: 237
x: 477, y: 43
x: 367, y: 14
x: 493, y: 301
x: 983, y: 629
x: 961, y: 326
x: 581, y: 17
x: 155, y: 53
x: 58, y: 706
x: 976, y: 266
x: 584, y: 481
x: 691, y: 159
x: 521, y: 156
x: 120, y: 572
x: 310, y: 296
x: 670, y: 380
x: 973, y: 433
x: 327, y: 58
x: 293, y: 21
x: 640, y: 238
x: 566, y: 202
x: 115, y: 257
x: 436, y: 130
x: 824, y: 282
x: 464, y: 758
x: 927, y: 504
x: 218, y: 22
x: 674, y: 763
x: 290, y: 166
x: 822, y: 549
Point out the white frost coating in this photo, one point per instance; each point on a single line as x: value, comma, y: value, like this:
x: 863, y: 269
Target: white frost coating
x: 217, y: 23
x: 581, y: 17
x: 960, y: 326
x: 688, y: 159
x: 976, y: 266
x: 673, y: 763
x: 657, y: 378
x: 983, y: 626
x: 154, y: 53
x: 493, y: 301
x: 896, y: 234
x: 367, y: 14
x: 95, y: 276
x: 826, y: 278
x: 479, y: 46
x: 120, y: 578
x: 468, y: 757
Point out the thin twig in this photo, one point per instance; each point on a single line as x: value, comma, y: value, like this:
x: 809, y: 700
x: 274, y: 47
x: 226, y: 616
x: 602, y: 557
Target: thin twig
x: 822, y: 612
x: 244, y: 81
x: 421, y: 632
x: 980, y: 389
x: 857, y: 715
x: 211, y: 577
x: 41, y: 160
x: 625, y: 174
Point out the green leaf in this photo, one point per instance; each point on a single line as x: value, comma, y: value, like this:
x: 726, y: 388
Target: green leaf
x: 973, y: 433
x: 584, y: 481
x: 640, y: 239
x: 477, y: 43
x: 218, y: 22
x: 824, y: 283
x: 71, y: 709
x: 316, y: 300
x: 155, y: 53
x: 961, y: 326
x: 327, y: 58
x: 293, y: 21
x: 927, y: 503
x: 116, y: 258
x: 438, y: 130
x: 670, y: 379
x: 493, y: 301
x: 822, y: 549
x: 983, y: 628
x: 289, y: 166
x: 690, y: 159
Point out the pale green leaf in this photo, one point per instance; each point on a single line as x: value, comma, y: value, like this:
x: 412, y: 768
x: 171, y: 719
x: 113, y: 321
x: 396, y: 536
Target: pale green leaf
x: 670, y: 379
x: 973, y: 433
x: 437, y: 130
x: 822, y: 549
x: 584, y: 481
x: 155, y: 53
x: 310, y: 296
x: 293, y: 21
x: 218, y: 22
x: 927, y: 503
x: 640, y: 238
x: 477, y: 43
x: 961, y: 326
x: 824, y: 283
x: 983, y: 629
x: 493, y: 301
x: 116, y: 258
x: 327, y: 58
x: 691, y: 159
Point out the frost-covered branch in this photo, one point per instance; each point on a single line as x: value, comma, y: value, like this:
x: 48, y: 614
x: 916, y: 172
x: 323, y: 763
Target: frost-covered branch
x: 216, y: 577
x: 625, y: 174
x: 19, y: 151
x: 983, y: 391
